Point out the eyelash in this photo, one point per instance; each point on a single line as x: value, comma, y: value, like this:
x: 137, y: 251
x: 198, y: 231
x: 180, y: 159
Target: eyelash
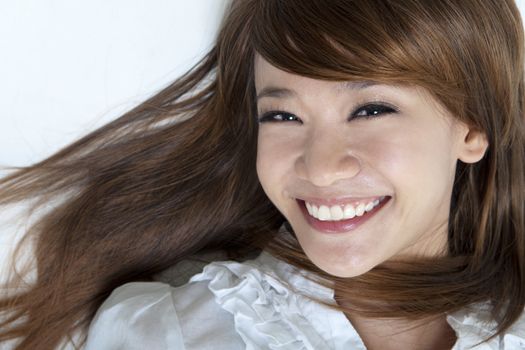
x: 267, y: 116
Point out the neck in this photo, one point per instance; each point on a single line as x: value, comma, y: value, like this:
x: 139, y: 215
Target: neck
x: 430, y: 334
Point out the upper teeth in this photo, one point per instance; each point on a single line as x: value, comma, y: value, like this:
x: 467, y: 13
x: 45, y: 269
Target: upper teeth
x: 341, y: 212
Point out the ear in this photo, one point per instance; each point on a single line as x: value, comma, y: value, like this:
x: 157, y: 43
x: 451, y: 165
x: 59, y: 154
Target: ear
x: 473, y: 144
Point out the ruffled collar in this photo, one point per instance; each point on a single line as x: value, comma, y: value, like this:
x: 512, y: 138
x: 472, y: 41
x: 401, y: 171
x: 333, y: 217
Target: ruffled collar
x: 474, y: 323
x: 271, y: 306
x: 269, y: 314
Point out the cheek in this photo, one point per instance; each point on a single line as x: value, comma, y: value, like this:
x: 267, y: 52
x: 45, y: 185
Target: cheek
x: 411, y: 150
x: 269, y: 162
x: 418, y: 165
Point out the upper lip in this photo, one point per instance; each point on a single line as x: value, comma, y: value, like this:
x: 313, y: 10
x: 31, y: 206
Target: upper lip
x: 340, y: 200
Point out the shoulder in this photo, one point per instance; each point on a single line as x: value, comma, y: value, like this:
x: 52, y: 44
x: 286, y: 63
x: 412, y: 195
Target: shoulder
x: 474, y: 324
x: 155, y: 315
x: 128, y: 319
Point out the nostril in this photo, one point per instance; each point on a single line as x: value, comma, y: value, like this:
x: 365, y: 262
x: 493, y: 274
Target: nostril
x: 323, y: 170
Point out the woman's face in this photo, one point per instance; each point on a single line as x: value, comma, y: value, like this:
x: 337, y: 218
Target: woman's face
x: 322, y: 149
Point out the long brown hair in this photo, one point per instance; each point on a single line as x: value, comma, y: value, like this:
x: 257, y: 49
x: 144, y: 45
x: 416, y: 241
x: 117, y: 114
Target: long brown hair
x: 176, y: 175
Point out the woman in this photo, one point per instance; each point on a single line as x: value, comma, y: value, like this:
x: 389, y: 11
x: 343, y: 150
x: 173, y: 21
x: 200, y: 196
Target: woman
x: 360, y: 163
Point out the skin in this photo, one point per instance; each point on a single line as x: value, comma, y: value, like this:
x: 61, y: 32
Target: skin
x: 324, y: 149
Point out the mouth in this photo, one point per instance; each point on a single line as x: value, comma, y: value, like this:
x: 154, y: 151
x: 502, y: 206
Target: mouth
x: 340, y: 226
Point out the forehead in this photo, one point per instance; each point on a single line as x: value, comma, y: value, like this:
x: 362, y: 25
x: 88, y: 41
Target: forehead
x: 266, y: 73
x: 273, y: 82
x: 268, y: 81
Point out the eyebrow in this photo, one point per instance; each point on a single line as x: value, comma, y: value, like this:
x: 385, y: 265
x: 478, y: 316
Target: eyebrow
x: 280, y: 92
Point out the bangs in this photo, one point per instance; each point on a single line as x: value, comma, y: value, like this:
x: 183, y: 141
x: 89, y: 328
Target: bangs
x: 384, y: 41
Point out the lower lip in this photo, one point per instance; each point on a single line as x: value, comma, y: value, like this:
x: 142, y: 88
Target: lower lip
x: 340, y: 226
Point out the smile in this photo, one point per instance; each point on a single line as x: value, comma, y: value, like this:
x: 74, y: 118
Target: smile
x: 341, y: 212
x: 339, y: 219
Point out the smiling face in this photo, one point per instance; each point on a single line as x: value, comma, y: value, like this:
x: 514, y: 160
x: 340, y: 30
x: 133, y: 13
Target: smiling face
x: 336, y: 145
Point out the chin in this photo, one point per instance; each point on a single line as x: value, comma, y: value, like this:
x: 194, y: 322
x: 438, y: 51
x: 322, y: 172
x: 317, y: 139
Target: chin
x: 344, y: 272
x: 344, y: 267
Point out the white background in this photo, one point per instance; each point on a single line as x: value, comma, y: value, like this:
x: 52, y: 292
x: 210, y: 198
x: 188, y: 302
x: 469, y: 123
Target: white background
x: 67, y: 67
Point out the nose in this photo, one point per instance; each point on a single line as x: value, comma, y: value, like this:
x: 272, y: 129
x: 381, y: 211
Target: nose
x: 326, y: 159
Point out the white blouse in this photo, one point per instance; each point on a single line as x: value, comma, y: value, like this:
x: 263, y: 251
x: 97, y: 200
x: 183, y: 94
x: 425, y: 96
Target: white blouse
x: 256, y: 304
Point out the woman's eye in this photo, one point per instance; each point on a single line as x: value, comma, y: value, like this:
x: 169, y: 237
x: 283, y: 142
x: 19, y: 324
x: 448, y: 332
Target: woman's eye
x: 373, y: 110
x: 277, y: 116
x: 367, y: 111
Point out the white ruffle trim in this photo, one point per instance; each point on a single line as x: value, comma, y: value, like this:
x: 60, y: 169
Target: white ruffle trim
x: 474, y: 324
x: 267, y: 314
